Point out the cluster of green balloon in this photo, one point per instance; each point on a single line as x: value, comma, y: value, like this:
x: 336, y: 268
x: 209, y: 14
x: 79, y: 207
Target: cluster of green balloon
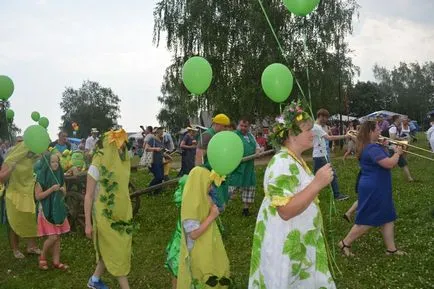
x: 42, y: 121
x: 197, y: 75
x: 277, y: 82
x: 225, y: 151
x: 6, y: 87
x: 36, y: 138
x: 10, y: 114
x: 301, y: 7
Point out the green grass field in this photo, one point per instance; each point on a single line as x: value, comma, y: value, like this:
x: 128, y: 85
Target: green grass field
x: 371, y: 268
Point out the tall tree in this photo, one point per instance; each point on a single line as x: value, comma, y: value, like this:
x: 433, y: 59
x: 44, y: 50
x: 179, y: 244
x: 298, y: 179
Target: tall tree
x: 408, y: 88
x: 91, y: 106
x: 8, y: 130
x: 235, y: 38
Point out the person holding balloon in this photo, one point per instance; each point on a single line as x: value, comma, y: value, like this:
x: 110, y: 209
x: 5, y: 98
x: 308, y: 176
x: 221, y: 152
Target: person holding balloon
x: 203, y: 262
x: 288, y: 244
x: 17, y: 170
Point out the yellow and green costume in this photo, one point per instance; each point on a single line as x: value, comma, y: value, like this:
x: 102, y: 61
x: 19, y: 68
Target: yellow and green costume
x: 206, y: 264
x: 19, y: 198
x: 112, y: 212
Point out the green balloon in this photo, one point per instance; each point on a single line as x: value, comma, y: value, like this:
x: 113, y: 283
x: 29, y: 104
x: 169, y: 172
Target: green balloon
x: 36, y: 138
x: 301, y: 7
x: 10, y: 114
x: 36, y: 116
x: 197, y: 74
x: 277, y: 82
x: 6, y: 87
x: 225, y: 151
x: 43, y: 121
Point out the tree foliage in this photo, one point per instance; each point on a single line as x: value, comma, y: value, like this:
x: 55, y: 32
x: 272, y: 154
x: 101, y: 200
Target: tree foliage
x: 406, y: 89
x: 235, y: 38
x: 91, y: 106
x: 8, y: 130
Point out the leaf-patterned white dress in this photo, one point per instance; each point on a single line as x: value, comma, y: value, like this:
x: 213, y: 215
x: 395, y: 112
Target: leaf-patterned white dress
x: 288, y: 254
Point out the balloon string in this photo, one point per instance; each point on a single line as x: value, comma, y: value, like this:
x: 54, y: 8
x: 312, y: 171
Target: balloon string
x: 309, y: 105
x: 284, y: 56
x: 307, y: 67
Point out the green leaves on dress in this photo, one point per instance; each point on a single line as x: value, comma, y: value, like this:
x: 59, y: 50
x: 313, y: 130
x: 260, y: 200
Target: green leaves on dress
x: 294, y: 169
x: 260, y: 284
x: 321, y: 264
x: 258, y: 238
x: 294, y: 247
x: 108, y: 199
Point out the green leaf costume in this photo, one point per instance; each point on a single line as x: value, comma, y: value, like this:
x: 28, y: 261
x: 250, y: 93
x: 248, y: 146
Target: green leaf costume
x: 53, y: 206
x: 112, y: 211
x: 206, y: 265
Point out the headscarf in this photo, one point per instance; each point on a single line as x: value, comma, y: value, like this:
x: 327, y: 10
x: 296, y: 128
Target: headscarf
x: 53, y: 206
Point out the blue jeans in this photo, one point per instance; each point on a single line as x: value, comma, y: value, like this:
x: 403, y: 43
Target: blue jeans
x: 158, y: 171
x: 319, y: 163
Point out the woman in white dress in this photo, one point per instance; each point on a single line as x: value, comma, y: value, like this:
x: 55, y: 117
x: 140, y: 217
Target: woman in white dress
x: 288, y: 245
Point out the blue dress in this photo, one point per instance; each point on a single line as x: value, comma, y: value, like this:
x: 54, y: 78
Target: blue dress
x: 375, y: 206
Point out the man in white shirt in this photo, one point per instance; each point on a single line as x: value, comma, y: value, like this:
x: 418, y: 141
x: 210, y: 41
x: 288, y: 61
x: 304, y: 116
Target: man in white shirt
x: 91, y: 141
x: 394, y: 132
x: 320, y: 154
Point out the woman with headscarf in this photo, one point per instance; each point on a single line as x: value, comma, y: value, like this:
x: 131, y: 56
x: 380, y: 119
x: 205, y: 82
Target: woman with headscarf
x: 108, y: 211
x: 288, y: 245
x: 20, y: 213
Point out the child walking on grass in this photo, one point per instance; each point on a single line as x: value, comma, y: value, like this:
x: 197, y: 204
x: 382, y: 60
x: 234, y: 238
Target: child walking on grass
x: 52, y: 213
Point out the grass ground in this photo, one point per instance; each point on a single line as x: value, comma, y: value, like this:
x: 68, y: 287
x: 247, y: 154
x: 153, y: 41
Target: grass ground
x: 369, y: 269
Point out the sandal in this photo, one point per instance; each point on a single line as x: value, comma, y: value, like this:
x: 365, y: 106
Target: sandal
x: 61, y: 266
x: 344, y: 246
x: 43, y: 265
x: 34, y: 251
x: 395, y: 252
x: 19, y: 255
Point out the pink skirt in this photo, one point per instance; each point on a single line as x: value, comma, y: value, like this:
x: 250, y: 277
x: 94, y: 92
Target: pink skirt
x: 45, y: 228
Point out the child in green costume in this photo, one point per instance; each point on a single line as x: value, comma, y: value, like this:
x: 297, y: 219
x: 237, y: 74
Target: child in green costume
x: 203, y: 262
x: 50, y: 192
x: 108, y: 210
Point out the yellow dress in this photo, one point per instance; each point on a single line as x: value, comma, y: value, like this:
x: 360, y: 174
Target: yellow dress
x: 19, y: 198
x: 207, y: 261
x: 112, y: 237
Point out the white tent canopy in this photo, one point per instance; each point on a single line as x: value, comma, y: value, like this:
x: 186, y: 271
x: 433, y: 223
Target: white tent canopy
x: 381, y: 113
x: 344, y: 117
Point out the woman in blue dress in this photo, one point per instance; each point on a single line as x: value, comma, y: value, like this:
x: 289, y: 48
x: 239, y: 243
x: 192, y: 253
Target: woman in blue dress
x: 375, y: 202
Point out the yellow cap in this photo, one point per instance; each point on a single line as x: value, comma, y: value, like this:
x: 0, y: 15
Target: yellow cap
x: 222, y: 119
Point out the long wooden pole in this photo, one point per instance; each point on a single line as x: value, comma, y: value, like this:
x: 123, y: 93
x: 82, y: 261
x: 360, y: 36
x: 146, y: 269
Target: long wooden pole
x: 175, y: 181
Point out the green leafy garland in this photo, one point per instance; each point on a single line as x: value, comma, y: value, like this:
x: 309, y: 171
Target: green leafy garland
x: 289, y: 122
x: 108, y: 199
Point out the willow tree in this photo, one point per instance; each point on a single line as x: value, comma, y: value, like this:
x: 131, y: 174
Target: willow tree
x: 234, y: 36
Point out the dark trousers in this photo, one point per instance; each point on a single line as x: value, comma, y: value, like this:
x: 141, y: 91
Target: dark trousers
x: 319, y: 163
x: 158, y: 171
x: 187, y: 164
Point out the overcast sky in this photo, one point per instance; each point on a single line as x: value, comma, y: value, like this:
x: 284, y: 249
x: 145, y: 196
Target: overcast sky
x: 46, y: 45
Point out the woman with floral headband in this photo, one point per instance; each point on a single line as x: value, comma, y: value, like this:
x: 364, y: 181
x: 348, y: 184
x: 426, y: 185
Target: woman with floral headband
x: 288, y: 245
x: 107, y: 207
x: 20, y: 208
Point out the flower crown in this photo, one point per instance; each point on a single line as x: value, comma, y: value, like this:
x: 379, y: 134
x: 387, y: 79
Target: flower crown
x: 290, y: 120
